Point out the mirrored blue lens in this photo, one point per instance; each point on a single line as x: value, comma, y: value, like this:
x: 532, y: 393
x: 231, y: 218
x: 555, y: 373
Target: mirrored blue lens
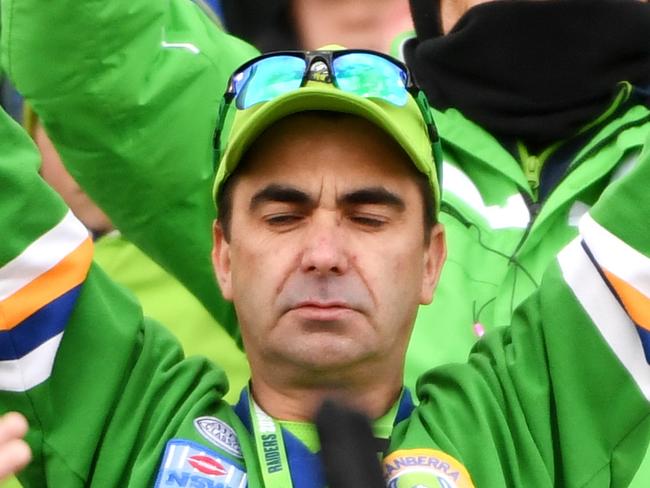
x: 267, y: 79
x: 371, y: 76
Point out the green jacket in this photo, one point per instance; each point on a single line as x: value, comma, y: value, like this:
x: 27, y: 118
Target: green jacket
x: 559, y: 398
x: 128, y: 91
x: 500, y: 236
x: 132, y: 108
x: 166, y: 301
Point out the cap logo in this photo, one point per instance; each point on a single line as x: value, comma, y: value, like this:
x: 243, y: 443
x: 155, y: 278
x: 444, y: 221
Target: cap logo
x: 319, y: 71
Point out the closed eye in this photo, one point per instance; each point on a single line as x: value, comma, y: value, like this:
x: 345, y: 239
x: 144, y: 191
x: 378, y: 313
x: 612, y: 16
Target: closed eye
x: 369, y: 220
x: 281, y: 207
x: 277, y: 220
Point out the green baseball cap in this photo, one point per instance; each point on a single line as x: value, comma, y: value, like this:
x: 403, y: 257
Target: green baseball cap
x: 405, y: 124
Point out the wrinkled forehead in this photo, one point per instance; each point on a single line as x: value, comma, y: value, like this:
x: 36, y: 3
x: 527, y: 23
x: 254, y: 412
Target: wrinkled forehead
x: 326, y: 144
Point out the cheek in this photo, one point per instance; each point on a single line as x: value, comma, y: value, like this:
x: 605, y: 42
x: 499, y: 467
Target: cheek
x: 258, y: 270
x: 407, y: 278
x: 246, y: 267
x: 251, y: 294
x: 394, y: 275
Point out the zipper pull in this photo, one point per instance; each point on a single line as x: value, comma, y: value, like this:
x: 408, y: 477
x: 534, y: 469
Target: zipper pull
x: 532, y: 167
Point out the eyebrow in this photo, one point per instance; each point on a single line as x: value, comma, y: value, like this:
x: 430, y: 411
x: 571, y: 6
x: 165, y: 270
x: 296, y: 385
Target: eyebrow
x: 280, y: 193
x: 376, y: 195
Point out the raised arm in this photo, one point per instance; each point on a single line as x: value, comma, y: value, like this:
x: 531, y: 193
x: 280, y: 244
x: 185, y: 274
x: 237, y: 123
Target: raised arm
x: 102, y: 388
x: 129, y: 91
x: 562, y: 397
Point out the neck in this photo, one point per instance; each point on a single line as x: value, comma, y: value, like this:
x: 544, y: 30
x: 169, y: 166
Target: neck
x: 370, y: 24
x: 298, y: 399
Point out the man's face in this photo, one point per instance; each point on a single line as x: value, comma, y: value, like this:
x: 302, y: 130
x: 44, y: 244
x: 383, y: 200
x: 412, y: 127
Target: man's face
x: 327, y: 261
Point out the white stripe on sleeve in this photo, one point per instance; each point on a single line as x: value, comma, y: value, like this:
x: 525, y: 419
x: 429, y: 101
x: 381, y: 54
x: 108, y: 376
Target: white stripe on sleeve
x: 605, y: 311
x: 42, y: 255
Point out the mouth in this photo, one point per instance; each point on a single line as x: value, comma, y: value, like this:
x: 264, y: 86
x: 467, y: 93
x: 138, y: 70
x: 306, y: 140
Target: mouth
x: 322, y: 311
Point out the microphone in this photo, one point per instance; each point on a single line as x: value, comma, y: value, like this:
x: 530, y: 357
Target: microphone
x: 349, y: 449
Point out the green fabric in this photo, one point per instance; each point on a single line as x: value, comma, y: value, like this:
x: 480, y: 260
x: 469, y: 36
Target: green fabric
x: 134, y: 119
x: 304, y: 432
x: 496, y: 256
x: 143, y: 156
x: 146, y: 82
x: 526, y: 410
x: 10, y: 483
x: 166, y: 301
x: 489, y: 271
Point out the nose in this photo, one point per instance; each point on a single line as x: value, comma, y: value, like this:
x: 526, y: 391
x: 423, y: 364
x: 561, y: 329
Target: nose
x: 325, y: 250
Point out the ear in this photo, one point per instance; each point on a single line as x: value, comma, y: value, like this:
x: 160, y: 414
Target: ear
x: 221, y: 260
x: 434, y: 258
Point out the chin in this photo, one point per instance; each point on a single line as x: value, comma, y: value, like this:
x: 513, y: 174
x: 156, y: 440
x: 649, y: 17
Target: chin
x: 323, y: 355
x: 318, y: 347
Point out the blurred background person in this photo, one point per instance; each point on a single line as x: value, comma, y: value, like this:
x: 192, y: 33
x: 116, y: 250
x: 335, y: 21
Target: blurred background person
x: 310, y: 24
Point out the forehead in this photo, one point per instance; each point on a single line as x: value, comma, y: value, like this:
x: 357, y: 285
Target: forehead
x: 324, y: 143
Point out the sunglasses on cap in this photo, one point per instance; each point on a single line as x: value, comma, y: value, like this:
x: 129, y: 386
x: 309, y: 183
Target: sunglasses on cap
x: 365, y: 73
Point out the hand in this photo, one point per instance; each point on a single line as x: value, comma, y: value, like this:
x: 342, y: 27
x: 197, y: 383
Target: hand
x: 14, y: 451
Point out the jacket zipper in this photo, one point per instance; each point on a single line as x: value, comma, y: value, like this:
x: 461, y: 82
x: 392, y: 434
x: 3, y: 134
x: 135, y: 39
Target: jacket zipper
x: 535, y: 207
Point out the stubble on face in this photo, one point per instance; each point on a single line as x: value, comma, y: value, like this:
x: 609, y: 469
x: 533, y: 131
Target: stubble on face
x: 323, y: 285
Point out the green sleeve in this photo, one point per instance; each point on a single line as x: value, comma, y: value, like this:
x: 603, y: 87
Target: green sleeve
x: 561, y: 398
x: 128, y: 91
x: 103, y: 389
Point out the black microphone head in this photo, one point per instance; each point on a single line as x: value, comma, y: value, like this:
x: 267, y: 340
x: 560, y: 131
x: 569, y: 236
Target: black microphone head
x: 348, y: 448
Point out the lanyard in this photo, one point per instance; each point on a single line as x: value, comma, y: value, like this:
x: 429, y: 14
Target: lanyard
x: 272, y: 451
x: 269, y: 444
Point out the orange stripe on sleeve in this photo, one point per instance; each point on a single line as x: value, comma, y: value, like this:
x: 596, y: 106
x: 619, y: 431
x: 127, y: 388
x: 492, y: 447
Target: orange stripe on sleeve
x: 68, y: 273
x: 635, y: 302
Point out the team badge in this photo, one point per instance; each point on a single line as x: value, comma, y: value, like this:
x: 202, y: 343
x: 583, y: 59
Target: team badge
x: 187, y: 464
x: 219, y: 433
x: 425, y: 468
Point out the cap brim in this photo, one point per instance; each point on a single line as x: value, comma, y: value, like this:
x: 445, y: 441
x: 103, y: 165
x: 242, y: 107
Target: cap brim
x: 409, y: 132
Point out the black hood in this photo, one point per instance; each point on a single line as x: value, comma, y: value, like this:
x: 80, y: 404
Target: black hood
x: 535, y: 70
